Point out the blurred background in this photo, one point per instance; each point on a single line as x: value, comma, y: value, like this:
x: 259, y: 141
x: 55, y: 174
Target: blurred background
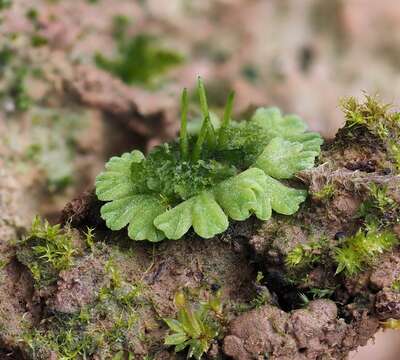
x: 81, y: 80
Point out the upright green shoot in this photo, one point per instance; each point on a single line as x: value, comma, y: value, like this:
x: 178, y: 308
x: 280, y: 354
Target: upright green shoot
x: 203, y: 99
x: 227, y: 116
x: 207, y: 131
x: 184, y: 141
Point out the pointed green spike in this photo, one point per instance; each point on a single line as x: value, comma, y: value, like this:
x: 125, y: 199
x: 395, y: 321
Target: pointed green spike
x: 184, y: 141
x: 200, y: 140
x: 207, y: 132
x: 228, y: 110
x: 227, y: 116
x: 203, y: 98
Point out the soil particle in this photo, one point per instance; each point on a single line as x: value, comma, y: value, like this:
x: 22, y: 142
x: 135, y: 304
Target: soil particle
x: 310, y: 333
x: 16, y: 284
x: 358, y: 283
x: 275, y: 239
x: 79, y: 286
x: 83, y: 211
x: 198, y: 264
x: 16, y: 303
x: 258, y: 332
x: 386, y: 272
x: 303, y: 334
x: 97, y: 89
x: 388, y: 304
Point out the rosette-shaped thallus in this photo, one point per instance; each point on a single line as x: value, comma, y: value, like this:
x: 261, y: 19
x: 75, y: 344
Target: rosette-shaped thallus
x: 225, y: 170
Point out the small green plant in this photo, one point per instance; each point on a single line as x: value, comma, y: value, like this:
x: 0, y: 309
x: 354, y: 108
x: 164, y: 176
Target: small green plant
x: 317, y: 293
x: 379, y: 206
x: 6, y: 55
x: 195, y: 328
x: 378, y: 118
x: 361, y: 249
x: 46, y: 250
x: 351, y: 255
x: 140, y: 59
x: 203, y: 179
x: 263, y: 295
x: 89, y: 238
x: 313, y: 294
x: 396, y: 285
x: 326, y: 193
x: 305, y: 254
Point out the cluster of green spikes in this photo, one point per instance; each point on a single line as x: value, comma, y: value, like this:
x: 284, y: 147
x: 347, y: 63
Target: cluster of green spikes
x: 207, y: 129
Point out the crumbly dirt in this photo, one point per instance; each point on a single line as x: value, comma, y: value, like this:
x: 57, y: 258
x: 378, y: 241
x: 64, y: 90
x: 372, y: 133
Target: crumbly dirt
x: 311, y: 333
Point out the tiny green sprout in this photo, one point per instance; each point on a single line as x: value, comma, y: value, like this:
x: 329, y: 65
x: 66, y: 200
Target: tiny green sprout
x: 295, y: 256
x: 379, y: 206
x: 18, y: 89
x: 194, y: 328
x: 3, y: 264
x: 381, y: 200
x: 203, y: 179
x: 89, y: 238
x: 396, y: 285
x: 327, y: 192
x: 259, y: 277
x: 305, y: 254
x: 304, y: 300
x: 317, y: 293
x: 114, y: 273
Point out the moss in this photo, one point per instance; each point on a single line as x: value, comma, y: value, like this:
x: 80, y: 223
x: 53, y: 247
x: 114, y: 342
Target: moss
x: 362, y: 249
x: 349, y: 255
x: 46, y: 250
x: 396, y: 285
x: 378, y: 119
x: 306, y: 255
x: 379, y: 207
x: 326, y: 193
x: 106, y: 328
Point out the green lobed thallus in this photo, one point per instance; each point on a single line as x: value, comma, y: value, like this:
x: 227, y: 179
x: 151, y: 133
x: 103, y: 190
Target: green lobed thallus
x: 227, y: 170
